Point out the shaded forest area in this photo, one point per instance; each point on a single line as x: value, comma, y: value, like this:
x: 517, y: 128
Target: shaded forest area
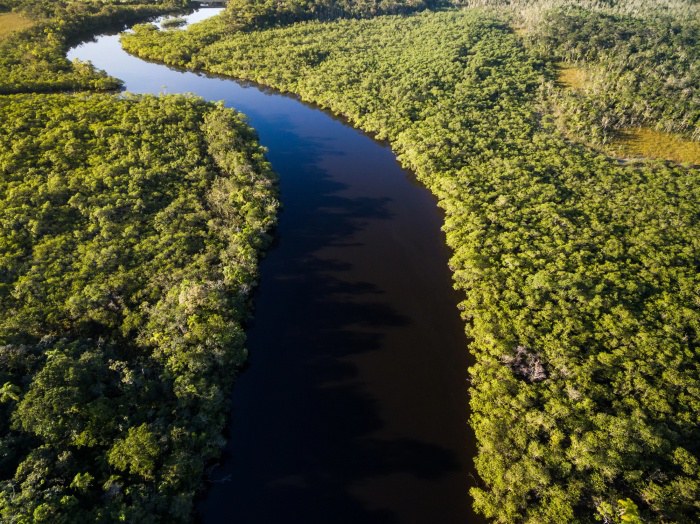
x: 130, y: 229
x: 247, y: 15
x: 580, y: 274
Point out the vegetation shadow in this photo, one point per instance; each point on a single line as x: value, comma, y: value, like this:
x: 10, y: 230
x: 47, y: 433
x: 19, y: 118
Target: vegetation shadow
x: 304, y: 424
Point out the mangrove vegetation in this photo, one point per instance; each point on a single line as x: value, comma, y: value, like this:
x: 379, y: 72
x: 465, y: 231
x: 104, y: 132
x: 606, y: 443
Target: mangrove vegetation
x: 579, y: 273
x: 130, y: 229
x: 39, y: 32
x: 130, y: 233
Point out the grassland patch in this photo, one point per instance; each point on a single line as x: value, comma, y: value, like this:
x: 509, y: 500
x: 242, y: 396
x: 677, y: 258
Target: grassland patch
x: 12, y: 22
x: 649, y: 143
x: 571, y: 77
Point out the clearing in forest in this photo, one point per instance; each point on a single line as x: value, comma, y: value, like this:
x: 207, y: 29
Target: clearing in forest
x: 571, y: 76
x: 11, y: 22
x: 649, y: 143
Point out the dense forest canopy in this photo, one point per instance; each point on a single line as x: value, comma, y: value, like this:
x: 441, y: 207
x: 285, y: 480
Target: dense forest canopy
x: 47, y: 9
x: 640, y: 58
x: 640, y: 70
x: 129, y: 236
x: 33, y: 60
x: 256, y: 14
x: 130, y: 229
x: 580, y: 274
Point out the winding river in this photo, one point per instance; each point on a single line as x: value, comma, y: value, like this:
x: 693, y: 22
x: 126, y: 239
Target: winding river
x: 354, y: 407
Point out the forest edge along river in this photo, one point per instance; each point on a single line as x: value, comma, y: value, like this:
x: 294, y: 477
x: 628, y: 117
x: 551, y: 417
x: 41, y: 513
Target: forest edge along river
x: 353, y: 407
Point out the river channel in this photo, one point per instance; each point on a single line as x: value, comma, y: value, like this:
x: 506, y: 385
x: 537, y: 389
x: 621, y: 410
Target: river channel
x: 353, y: 408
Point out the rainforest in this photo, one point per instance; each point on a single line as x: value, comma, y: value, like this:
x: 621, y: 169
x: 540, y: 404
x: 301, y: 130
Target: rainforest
x: 130, y: 233
x: 561, y: 139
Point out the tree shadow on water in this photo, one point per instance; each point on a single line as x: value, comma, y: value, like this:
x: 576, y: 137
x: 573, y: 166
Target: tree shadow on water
x: 305, y: 428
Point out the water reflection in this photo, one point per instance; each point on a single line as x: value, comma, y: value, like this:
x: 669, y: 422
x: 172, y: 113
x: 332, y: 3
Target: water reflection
x: 353, y: 408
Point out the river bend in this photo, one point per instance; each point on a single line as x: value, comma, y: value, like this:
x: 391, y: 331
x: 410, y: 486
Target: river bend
x: 353, y: 408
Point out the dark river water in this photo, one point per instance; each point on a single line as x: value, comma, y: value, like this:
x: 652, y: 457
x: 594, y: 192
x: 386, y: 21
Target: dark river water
x: 354, y: 406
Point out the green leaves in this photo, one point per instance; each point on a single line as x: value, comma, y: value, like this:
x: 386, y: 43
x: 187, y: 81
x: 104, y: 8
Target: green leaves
x: 579, y: 274
x: 136, y: 453
x: 641, y: 70
x: 33, y: 61
x: 623, y: 511
x: 9, y: 392
x: 67, y: 403
x: 122, y: 296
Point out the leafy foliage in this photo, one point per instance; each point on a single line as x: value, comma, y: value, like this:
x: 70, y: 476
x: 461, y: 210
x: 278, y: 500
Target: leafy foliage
x: 129, y: 234
x: 580, y: 274
x: 34, y: 60
x: 250, y: 14
x: 642, y: 70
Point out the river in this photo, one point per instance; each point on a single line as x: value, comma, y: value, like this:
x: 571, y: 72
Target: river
x: 353, y: 408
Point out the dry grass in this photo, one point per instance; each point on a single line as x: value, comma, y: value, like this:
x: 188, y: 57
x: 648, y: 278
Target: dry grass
x: 571, y: 77
x: 11, y: 22
x: 520, y: 30
x: 648, y: 143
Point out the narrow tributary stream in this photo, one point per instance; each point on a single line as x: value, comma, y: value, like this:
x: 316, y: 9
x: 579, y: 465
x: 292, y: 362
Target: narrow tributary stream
x: 353, y: 408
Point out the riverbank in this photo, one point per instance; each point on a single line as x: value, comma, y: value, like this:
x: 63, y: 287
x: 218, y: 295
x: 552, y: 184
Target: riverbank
x: 131, y: 229
x: 354, y: 404
x: 32, y: 60
x: 567, y: 260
